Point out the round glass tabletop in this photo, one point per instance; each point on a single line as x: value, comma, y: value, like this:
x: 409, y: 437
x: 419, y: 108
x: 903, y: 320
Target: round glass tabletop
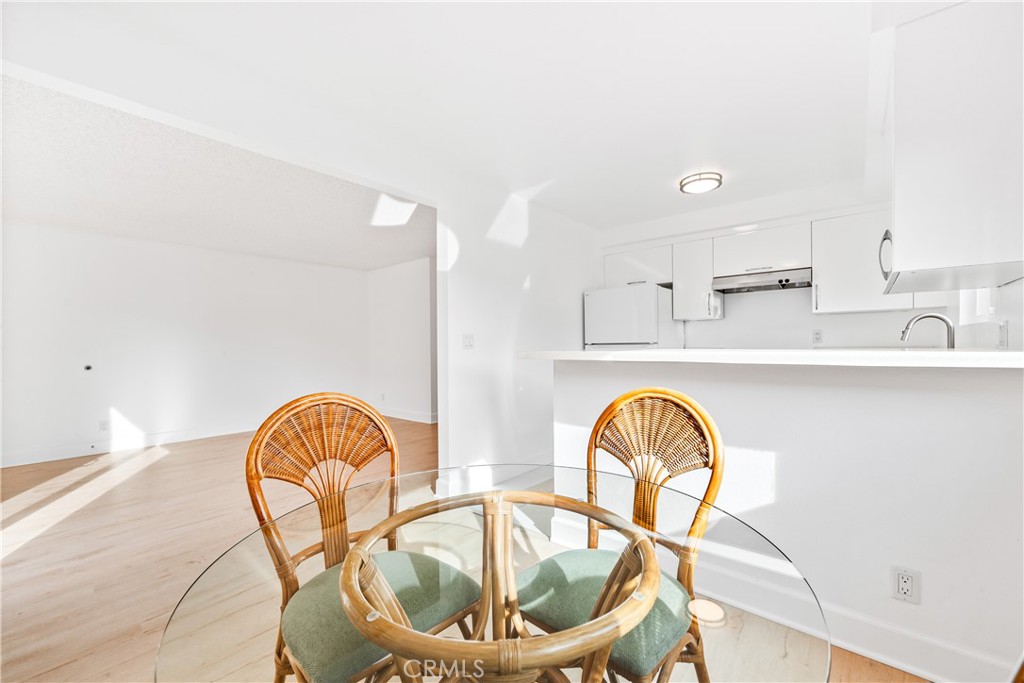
x: 758, y: 616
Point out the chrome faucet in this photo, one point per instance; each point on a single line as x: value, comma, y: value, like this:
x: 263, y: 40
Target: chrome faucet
x: 950, y: 340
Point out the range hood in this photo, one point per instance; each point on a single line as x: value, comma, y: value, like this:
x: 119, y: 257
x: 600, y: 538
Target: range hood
x: 762, y: 281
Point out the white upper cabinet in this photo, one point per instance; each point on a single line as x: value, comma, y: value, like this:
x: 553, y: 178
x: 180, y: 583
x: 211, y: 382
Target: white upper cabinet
x: 782, y: 248
x: 958, y: 80
x: 642, y: 265
x: 848, y: 265
x: 692, y: 272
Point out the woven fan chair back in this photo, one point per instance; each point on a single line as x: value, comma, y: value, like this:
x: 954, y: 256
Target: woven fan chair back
x: 318, y: 442
x: 659, y: 434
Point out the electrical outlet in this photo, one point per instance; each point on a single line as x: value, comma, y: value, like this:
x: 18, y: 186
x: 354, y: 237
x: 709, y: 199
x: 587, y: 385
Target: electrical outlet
x: 104, y: 425
x: 817, y: 336
x: 906, y: 585
x: 1004, y: 334
x: 468, y: 342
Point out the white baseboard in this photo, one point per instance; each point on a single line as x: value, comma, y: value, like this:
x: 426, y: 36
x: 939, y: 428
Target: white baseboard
x: 911, y: 651
x: 104, y: 445
x: 917, y: 653
x: 924, y: 655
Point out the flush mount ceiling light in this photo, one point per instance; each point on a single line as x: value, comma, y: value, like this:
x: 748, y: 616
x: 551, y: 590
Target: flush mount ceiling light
x: 699, y: 183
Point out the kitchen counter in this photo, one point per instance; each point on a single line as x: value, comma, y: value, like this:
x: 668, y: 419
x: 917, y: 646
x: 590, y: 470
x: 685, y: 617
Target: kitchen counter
x: 863, y: 357
x: 853, y: 460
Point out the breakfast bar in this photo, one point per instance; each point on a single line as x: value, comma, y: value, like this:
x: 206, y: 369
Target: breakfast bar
x: 840, y: 457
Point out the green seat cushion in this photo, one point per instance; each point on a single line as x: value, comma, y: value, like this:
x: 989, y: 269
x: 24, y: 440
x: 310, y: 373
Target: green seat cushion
x: 562, y: 590
x: 327, y: 645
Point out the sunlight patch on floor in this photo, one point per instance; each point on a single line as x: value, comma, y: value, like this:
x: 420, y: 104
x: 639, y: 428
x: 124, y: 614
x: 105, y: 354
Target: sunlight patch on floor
x: 30, y: 497
x: 24, y: 530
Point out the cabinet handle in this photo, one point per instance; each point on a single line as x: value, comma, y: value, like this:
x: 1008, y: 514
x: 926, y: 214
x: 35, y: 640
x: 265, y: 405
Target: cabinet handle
x: 886, y: 237
x: 709, y: 304
x: 815, y: 296
x: 636, y: 282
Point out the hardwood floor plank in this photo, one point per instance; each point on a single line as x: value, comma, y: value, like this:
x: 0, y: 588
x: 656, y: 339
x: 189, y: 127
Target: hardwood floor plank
x: 87, y: 599
x: 848, y: 667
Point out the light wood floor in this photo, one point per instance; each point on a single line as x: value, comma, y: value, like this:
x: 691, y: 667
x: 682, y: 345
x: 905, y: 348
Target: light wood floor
x: 97, y: 551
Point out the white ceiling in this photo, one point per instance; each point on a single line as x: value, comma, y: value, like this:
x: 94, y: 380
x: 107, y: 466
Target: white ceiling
x: 77, y: 165
x: 602, y: 106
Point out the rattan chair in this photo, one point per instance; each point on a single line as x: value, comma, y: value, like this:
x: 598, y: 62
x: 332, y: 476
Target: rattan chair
x: 319, y: 442
x: 512, y: 654
x: 657, y: 434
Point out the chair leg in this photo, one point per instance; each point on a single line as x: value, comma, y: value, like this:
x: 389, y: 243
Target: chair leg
x: 699, y: 664
x: 698, y: 654
x: 280, y: 672
x: 464, y: 627
x: 702, y: 671
x: 281, y: 665
x: 670, y: 661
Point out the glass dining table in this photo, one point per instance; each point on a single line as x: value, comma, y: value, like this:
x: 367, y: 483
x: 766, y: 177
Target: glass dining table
x: 758, y: 616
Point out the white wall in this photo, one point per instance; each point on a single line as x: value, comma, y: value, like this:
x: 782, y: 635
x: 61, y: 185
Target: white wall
x: 184, y: 342
x: 514, y: 282
x: 401, y: 377
x: 508, y: 271
x: 850, y: 471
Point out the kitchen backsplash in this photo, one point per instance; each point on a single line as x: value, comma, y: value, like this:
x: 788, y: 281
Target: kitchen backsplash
x: 783, y: 320
x: 1008, y: 304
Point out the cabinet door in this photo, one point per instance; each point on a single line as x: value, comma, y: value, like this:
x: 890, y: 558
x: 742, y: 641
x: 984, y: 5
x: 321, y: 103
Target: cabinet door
x: 692, y: 271
x: 761, y: 250
x: 847, y: 276
x: 642, y: 265
x: 958, y: 170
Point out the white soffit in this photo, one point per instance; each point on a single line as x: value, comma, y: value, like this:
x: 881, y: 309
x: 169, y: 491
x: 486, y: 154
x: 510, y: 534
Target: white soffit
x: 605, y: 106
x: 73, y: 164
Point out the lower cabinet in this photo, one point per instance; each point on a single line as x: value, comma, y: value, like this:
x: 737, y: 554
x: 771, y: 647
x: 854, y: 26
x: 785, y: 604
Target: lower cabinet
x: 849, y: 258
x: 692, y: 272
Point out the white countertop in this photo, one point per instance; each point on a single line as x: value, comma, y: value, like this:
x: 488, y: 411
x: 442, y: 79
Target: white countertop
x: 897, y: 358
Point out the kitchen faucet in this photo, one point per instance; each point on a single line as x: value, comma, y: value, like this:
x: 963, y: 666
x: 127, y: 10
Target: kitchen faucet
x: 950, y: 341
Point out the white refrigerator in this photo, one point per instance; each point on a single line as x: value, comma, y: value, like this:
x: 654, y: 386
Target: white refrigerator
x: 632, y: 317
